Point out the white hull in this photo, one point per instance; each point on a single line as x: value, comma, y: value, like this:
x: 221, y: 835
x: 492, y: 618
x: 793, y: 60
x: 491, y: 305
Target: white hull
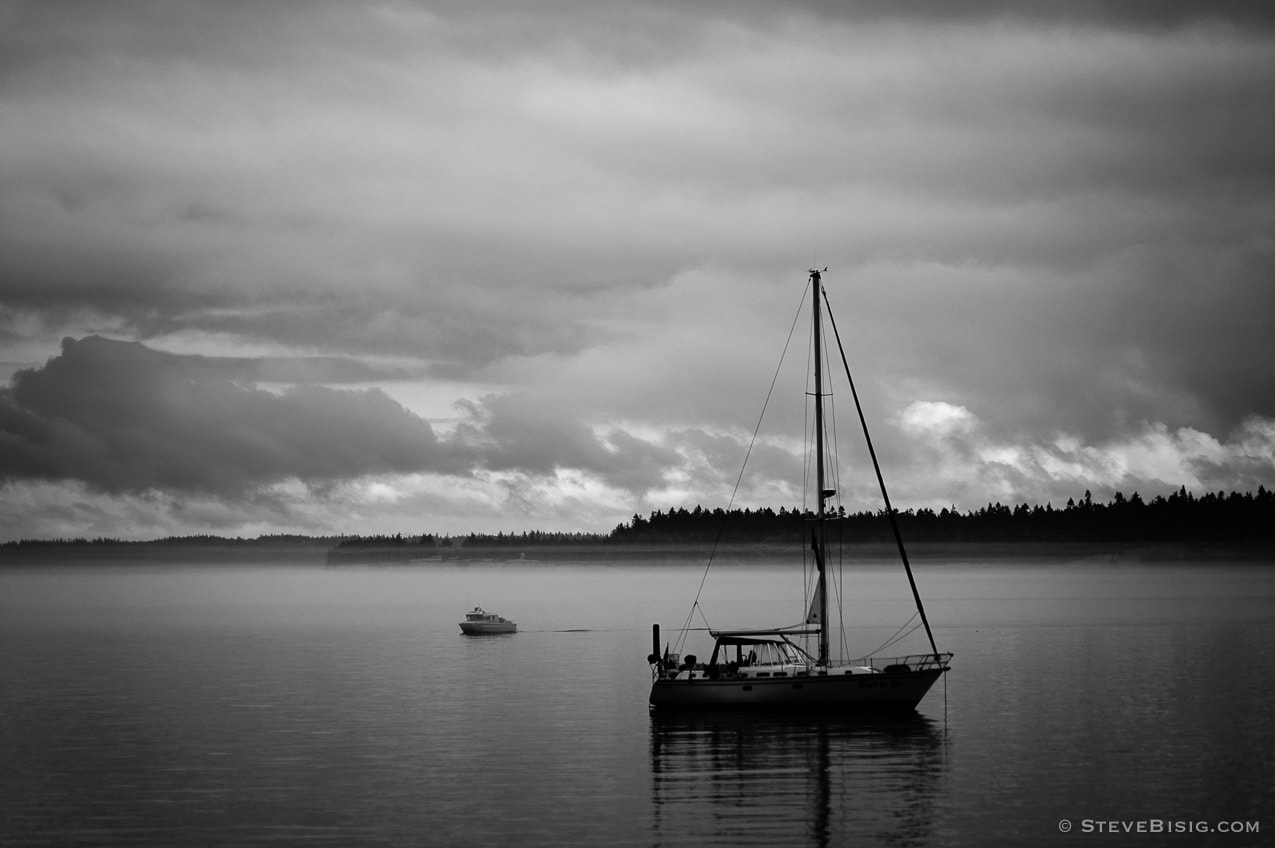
x: 487, y: 628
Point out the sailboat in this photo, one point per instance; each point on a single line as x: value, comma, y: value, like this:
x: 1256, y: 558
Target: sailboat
x: 774, y: 668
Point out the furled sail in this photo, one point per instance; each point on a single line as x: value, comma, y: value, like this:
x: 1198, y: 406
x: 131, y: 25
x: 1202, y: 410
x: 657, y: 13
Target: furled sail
x: 816, y: 605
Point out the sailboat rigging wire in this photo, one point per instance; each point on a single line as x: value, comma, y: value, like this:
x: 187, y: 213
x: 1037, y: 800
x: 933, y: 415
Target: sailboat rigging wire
x: 809, y: 564
x: 889, y: 510
x: 838, y: 581
x: 898, y: 635
x: 840, y: 586
x: 751, y: 444
x: 809, y: 570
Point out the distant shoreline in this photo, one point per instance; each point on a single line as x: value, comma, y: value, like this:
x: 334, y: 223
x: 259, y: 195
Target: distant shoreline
x: 1179, y: 528
x: 325, y: 552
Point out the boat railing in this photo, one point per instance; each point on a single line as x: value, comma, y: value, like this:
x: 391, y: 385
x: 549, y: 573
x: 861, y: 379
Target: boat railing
x: 914, y: 662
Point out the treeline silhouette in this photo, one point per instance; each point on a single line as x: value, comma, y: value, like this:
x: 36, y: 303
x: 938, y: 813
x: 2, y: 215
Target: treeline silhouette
x: 1182, y: 517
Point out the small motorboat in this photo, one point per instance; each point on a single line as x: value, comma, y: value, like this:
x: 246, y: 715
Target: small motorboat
x: 479, y: 622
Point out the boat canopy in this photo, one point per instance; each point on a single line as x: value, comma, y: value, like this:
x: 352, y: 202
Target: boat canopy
x: 758, y: 647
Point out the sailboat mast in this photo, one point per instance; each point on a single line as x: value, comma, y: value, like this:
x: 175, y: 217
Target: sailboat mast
x: 820, y: 487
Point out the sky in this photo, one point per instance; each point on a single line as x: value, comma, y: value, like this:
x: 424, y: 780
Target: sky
x: 325, y: 268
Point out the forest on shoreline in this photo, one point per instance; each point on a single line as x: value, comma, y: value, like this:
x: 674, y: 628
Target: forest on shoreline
x: 1182, y: 519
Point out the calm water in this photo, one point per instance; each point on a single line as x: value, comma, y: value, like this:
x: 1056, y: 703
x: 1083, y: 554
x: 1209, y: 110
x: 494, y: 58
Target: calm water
x: 282, y: 705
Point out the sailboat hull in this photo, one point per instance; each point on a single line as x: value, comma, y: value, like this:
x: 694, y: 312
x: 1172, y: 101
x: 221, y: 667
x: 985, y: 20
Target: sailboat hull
x: 886, y: 691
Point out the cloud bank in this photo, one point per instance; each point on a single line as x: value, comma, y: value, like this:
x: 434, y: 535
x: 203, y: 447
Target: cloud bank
x: 112, y: 434
x: 123, y: 418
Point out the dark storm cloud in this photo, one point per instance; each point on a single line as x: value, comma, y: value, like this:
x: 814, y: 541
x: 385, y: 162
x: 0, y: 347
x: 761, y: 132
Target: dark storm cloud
x: 1137, y: 14
x: 124, y: 418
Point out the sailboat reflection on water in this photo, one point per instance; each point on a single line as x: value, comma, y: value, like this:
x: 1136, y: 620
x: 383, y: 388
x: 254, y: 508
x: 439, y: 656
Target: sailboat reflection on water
x: 740, y: 779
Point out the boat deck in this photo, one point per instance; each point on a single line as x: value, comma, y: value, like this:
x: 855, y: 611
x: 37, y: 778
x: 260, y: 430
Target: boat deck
x: 867, y: 665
